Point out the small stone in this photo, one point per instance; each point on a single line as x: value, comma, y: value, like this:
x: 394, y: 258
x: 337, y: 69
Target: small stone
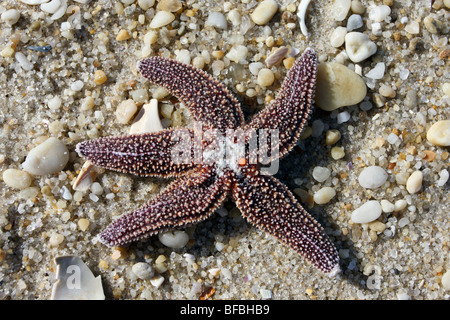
x: 51, y: 7
x: 411, y: 100
x: 341, y: 9
x: 443, y: 178
x: 216, y: 20
x: 446, y: 89
x: 342, y: 117
x: 264, y: 12
x: 447, y: 3
x: 377, y: 72
x: 77, y: 85
x: 439, y: 133
x: 354, y: 22
x: 161, y: 19
x: 254, y: 67
x: 320, y: 174
x: 399, y: 205
x: 334, y: 82
x: 139, y: 95
x: 412, y: 27
x: 100, y: 77
x: 379, y: 13
x: 372, y: 177
x: 445, y: 281
x: 265, y: 77
x: 332, y: 136
x: 143, y: 270
x: 56, y: 239
x: 324, y: 195
x: 174, y: 239
x: 357, y: 7
x: 169, y: 5
x: 392, y: 138
x: 83, y: 224
x: 10, y: 16
x: 377, y: 226
x: 49, y: 157
x: 338, y: 36
x: 387, y: 91
x: 146, y: 4
x: 16, y: 179
x: 123, y: 35
x: 387, y: 206
x: 414, y: 182
x: 337, y: 153
x: 368, y: 212
x: 237, y: 53
x: 24, y: 63
x: 157, y: 281
x: 359, y: 46
x: 125, y: 111
x: 54, y: 103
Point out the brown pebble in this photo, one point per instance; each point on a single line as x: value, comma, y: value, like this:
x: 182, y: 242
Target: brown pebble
x: 444, y: 54
x: 99, y: 77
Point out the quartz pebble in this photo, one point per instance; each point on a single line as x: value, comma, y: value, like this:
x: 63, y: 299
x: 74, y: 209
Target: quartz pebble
x: 237, y: 53
x: 123, y: 35
x: 169, y: 5
x: 83, y: 224
x: 54, y: 103
x: 414, y: 182
x: 332, y: 136
x: 359, y: 46
x: 16, y: 179
x: 264, y: 12
x: 445, y: 281
x: 439, y: 133
x: 48, y: 157
x: 387, y: 206
x: 217, y: 20
x: 324, y: 195
x: 23, y: 61
x: 372, y: 177
x: 334, y: 82
x: 399, y: 205
x: 341, y: 9
x: 387, y: 91
x: 56, y: 239
x: 161, y: 19
x: 379, y: 13
x: 174, y: 239
x: 368, y: 212
x: 337, y: 153
x: 143, y: 270
x: 10, y: 16
x: 125, y: 111
x: 443, y: 178
x: 377, y: 72
x: 354, y: 22
x: 265, y: 77
x: 320, y: 174
x: 338, y: 36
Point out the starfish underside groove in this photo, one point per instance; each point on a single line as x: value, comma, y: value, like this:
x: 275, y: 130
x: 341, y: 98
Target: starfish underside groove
x: 200, y: 189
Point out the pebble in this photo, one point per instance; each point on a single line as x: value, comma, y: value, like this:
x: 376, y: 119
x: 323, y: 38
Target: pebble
x: 217, y: 20
x: 54, y: 103
x: 387, y: 206
x: 147, y: 119
x: 83, y: 224
x: 161, y: 19
x: 264, y: 12
x: 368, y: 212
x: 387, y: 91
x: 354, y: 22
x: 143, y: 270
x: 377, y: 72
x: 372, y: 177
x: 439, y: 133
x: 357, y: 7
x: 332, y: 136
x: 443, y: 178
x: 343, y: 117
x: 11, y: 16
x: 174, y: 239
x: 16, y: 179
x: 337, y: 153
x: 48, y: 157
x: 25, y: 64
x: 146, y: 4
x: 125, y: 111
x: 324, y: 195
x: 399, y: 205
x: 359, y: 46
x: 334, y: 82
x: 51, y: 7
x: 320, y: 174
x: 265, y: 77
x: 341, y: 9
x: 412, y: 27
x: 169, y: 5
x: 157, y: 281
x: 123, y: 35
x: 338, y: 36
x: 445, y: 281
x: 56, y: 239
x: 446, y: 89
x: 77, y: 85
x: 379, y: 13
x: 100, y: 77
x: 411, y: 99
x: 414, y: 182
x: 237, y: 53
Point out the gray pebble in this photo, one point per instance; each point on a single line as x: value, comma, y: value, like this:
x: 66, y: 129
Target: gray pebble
x: 143, y: 270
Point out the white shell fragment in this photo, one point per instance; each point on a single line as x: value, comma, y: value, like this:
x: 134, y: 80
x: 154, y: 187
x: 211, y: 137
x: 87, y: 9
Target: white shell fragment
x: 75, y: 281
x: 147, y: 119
x: 49, y: 157
x: 301, y: 13
x: 84, y: 179
x: 174, y: 239
x: 33, y: 2
x: 276, y: 57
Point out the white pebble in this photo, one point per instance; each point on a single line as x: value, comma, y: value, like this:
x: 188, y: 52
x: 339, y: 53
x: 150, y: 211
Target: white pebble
x: 376, y: 28
x: 338, y: 36
x: 143, y: 270
x: 324, y: 195
x: 414, y: 182
x: 96, y: 188
x: 264, y: 12
x: 372, y: 177
x: 125, y: 111
x: 265, y: 77
x: 77, y: 85
x: 439, y: 133
x: 10, y: 16
x: 412, y: 27
x: 23, y: 61
x: 54, y: 103
x: 379, y: 13
x: 48, y: 157
x: 320, y: 174
x: 16, y: 179
x: 51, y: 7
x: 157, y: 281
x: 446, y: 280
x: 56, y: 239
x: 359, y: 46
x: 340, y: 9
x: 60, y: 11
x: 33, y: 2
x: 254, y: 67
x: 237, y: 53
x: 217, y: 20
x: 174, y: 239
x: 146, y: 4
x: 392, y: 138
x: 343, y: 117
x: 443, y: 178
x: 354, y: 22
x: 387, y: 206
x: 368, y: 212
x: 161, y: 19
x: 400, y: 205
x: 377, y: 72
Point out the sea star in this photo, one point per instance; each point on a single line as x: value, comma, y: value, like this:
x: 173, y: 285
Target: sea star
x: 201, y: 188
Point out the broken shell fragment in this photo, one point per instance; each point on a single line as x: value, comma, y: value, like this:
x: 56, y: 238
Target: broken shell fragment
x: 147, y: 119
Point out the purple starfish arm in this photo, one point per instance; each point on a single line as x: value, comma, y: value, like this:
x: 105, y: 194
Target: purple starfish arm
x: 208, y: 101
x: 148, y: 154
x: 268, y: 204
x: 293, y: 104
x: 185, y: 201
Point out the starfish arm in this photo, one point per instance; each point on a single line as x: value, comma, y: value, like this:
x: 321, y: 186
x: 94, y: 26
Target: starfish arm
x: 208, y: 101
x: 293, y: 103
x: 149, y: 154
x: 185, y: 201
x: 268, y: 204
